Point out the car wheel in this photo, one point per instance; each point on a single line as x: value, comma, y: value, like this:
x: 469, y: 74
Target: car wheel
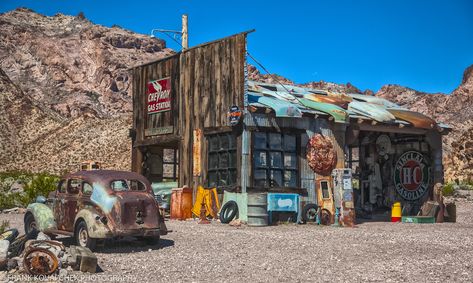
x: 30, y: 223
x: 310, y: 212
x: 228, y: 212
x: 81, y: 235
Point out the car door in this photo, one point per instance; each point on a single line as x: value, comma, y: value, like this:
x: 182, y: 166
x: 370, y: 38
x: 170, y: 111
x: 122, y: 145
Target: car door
x: 66, y: 207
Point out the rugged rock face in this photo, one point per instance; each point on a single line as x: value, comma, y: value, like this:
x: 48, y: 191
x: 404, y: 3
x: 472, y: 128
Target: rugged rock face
x: 65, y: 90
x: 65, y: 95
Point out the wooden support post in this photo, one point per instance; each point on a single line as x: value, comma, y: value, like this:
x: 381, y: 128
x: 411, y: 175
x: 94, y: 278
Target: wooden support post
x: 185, y: 42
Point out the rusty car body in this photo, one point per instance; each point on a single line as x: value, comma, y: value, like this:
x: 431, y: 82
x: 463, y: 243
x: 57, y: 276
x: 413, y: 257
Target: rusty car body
x: 92, y: 205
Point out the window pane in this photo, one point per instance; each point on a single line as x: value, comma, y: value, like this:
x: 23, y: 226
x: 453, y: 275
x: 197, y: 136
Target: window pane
x: 213, y: 160
x: 233, y: 160
x: 232, y: 177
x: 290, y: 160
x: 232, y: 141
x: 213, y: 143
x: 224, y: 141
x: 168, y: 155
x: 260, y: 159
x: 275, y: 141
x: 87, y: 189
x: 290, y: 179
x: 212, y: 179
x: 276, y: 159
x: 260, y: 178
x: 325, y: 188
x: 168, y: 170
x: 223, y: 160
x: 276, y: 178
x: 290, y: 142
x: 260, y: 140
x: 223, y: 178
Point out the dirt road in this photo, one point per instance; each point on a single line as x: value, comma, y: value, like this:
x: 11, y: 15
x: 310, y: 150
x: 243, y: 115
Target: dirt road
x: 371, y: 252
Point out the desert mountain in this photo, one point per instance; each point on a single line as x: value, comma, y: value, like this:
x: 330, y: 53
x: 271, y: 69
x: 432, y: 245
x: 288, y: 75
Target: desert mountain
x: 65, y: 94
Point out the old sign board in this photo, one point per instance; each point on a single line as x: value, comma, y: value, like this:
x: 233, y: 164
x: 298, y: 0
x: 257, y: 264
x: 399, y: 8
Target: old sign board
x: 158, y: 95
x: 412, y: 175
x: 234, y: 115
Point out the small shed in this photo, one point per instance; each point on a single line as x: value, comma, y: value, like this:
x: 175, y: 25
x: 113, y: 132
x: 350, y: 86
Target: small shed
x: 199, y: 120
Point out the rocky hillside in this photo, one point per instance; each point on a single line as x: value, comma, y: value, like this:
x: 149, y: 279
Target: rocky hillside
x: 65, y: 94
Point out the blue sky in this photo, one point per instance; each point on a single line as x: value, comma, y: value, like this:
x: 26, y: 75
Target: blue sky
x: 422, y: 44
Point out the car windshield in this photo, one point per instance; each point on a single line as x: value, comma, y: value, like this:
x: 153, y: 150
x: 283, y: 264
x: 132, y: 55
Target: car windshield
x: 127, y: 185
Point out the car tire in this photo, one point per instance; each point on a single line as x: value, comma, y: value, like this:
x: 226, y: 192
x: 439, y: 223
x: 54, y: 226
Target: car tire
x: 30, y: 223
x: 228, y: 212
x: 310, y: 212
x: 9, y: 235
x: 81, y: 235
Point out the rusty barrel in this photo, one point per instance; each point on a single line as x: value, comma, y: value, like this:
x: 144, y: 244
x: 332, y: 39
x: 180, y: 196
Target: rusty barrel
x: 257, y: 209
x: 181, y: 203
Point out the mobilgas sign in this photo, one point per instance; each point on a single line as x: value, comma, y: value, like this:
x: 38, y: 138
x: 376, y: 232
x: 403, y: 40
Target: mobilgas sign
x: 412, y: 175
x: 158, y: 95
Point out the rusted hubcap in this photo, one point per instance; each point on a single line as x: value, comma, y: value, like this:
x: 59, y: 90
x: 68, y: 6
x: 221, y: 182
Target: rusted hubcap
x: 83, y: 237
x: 40, y: 261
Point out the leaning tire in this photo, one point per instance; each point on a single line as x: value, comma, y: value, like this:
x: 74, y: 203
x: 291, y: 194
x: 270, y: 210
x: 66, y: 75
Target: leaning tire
x: 309, y: 213
x: 9, y: 235
x: 81, y: 235
x: 228, y: 212
x: 30, y: 223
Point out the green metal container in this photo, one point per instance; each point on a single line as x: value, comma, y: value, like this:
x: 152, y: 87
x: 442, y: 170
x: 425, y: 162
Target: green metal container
x: 418, y: 219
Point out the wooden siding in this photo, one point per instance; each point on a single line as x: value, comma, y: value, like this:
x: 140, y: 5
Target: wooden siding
x: 206, y: 81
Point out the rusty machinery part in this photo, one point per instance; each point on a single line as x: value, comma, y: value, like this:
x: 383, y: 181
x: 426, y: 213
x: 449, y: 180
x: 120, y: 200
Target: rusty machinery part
x: 40, y: 261
x: 325, y: 217
x: 321, y: 154
x: 9, y: 235
x: 17, y: 246
x: 228, y: 212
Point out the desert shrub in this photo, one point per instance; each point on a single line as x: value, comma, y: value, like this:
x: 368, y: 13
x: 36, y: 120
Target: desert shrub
x: 41, y: 185
x: 448, y: 189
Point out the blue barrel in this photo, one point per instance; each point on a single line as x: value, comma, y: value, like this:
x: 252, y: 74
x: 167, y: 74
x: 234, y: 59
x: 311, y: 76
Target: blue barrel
x: 257, y: 210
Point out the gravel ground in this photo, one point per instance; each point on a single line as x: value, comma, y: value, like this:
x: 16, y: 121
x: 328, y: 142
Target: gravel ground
x: 373, y: 251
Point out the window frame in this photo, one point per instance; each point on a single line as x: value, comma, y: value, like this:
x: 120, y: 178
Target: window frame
x: 232, y: 148
x: 268, y: 168
x: 175, y: 166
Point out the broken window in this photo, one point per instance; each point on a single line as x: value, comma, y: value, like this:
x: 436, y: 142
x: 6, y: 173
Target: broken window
x: 87, y: 188
x: 274, y: 160
x: 222, y: 162
x: 127, y: 185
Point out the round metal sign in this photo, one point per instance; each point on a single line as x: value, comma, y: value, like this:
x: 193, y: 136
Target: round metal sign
x: 412, y: 175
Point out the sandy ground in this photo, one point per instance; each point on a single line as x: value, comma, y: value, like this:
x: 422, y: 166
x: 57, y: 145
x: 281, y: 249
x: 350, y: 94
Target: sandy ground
x: 378, y: 252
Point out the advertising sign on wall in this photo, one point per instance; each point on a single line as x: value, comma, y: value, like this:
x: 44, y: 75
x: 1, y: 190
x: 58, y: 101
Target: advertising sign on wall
x: 158, y: 95
x: 412, y: 175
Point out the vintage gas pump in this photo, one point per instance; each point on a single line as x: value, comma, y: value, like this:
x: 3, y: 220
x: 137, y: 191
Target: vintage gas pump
x: 343, y: 197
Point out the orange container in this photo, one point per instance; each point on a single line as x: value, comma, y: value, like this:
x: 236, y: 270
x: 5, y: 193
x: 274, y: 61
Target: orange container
x: 181, y: 203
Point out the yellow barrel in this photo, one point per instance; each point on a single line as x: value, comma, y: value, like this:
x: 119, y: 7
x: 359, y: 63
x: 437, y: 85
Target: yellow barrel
x: 396, y: 212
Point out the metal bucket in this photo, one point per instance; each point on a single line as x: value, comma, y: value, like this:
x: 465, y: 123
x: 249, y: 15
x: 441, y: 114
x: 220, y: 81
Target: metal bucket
x: 257, y: 210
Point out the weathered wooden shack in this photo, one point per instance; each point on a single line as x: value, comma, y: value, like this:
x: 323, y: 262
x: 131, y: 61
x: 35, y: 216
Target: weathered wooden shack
x: 198, y: 120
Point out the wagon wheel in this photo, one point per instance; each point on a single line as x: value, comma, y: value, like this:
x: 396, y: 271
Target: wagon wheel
x: 325, y: 217
x: 39, y: 261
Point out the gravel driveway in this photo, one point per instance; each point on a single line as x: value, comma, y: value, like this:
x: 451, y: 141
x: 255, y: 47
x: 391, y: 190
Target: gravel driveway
x: 370, y: 252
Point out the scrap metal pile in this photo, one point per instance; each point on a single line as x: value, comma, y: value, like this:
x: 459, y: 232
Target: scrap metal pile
x: 36, y: 254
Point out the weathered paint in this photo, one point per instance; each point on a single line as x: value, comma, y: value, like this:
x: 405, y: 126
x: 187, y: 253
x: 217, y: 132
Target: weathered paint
x: 417, y: 119
x: 281, y: 108
x: 95, y: 227
x: 339, y: 114
x: 328, y: 99
x: 374, y: 100
x: 43, y: 216
x: 102, y: 198
x: 372, y: 111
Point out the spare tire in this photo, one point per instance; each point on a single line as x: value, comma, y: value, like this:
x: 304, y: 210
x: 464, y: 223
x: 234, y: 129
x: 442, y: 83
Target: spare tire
x: 310, y: 212
x: 9, y: 235
x: 228, y: 212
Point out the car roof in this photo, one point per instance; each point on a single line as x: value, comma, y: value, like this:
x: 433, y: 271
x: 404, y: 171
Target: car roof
x: 106, y: 176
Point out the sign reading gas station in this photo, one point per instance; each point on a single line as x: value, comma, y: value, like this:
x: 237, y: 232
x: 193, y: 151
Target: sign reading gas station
x: 412, y: 175
x: 158, y: 95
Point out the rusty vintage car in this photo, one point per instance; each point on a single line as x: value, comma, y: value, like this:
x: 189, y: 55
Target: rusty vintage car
x: 94, y: 205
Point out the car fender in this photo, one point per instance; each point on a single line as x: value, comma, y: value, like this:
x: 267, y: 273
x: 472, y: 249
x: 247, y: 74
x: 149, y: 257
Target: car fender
x: 43, y: 215
x: 95, y: 227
